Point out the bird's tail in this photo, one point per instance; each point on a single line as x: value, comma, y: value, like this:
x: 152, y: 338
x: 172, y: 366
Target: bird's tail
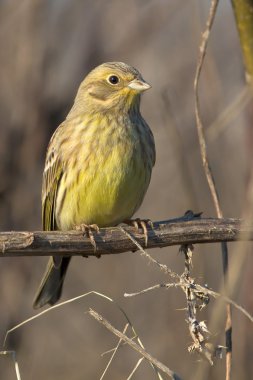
x: 50, y: 288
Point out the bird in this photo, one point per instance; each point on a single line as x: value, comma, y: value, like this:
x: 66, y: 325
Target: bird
x: 98, y: 163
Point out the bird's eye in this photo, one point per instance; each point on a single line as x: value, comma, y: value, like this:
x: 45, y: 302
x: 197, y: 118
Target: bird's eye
x: 113, y: 79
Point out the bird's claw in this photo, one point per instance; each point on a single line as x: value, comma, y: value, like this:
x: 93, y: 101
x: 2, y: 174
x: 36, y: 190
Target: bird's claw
x: 144, y: 224
x: 88, y: 230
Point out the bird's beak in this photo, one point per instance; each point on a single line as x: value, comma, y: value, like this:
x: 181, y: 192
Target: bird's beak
x: 139, y: 85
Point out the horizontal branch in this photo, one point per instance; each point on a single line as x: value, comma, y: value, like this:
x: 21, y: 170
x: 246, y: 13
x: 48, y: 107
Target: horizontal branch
x: 114, y: 240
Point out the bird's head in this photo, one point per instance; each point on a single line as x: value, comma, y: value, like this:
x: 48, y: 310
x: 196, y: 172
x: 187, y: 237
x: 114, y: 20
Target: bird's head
x: 110, y: 85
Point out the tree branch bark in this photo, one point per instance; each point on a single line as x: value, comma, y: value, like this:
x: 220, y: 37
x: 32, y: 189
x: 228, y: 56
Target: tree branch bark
x: 113, y: 240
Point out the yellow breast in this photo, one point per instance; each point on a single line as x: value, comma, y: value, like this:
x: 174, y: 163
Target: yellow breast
x: 108, y: 181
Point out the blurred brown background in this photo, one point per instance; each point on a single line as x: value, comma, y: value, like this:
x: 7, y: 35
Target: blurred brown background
x: 47, y: 47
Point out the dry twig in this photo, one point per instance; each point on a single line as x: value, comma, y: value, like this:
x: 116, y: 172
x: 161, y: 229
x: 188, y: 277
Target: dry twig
x: 114, y: 353
x: 135, y: 368
x: 194, y: 294
x: 14, y: 359
x: 198, y: 330
x: 208, y: 173
x: 134, y: 345
x: 61, y: 304
x: 198, y: 288
x: 197, y: 297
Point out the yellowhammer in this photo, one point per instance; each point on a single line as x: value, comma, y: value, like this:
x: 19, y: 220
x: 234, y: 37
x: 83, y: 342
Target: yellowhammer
x: 98, y: 163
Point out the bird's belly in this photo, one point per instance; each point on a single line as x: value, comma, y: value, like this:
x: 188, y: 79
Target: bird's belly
x: 108, y: 192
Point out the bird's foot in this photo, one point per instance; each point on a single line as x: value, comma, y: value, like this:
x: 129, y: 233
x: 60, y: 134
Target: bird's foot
x: 144, y: 224
x: 88, y: 229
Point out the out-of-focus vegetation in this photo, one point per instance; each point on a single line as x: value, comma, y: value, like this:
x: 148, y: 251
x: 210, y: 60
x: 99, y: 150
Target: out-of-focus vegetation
x: 46, y: 50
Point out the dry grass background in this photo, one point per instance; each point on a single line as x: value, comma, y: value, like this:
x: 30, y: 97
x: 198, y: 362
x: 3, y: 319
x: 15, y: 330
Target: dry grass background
x: 46, y: 50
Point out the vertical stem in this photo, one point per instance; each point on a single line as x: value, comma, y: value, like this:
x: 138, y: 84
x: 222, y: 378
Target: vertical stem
x: 209, y: 176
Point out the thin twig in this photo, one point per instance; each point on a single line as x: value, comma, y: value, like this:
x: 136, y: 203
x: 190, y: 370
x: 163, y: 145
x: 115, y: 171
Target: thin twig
x: 14, y: 359
x: 114, y: 353
x: 201, y: 292
x: 59, y: 305
x: 198, y: 288
x: 208, y: 173
x: 200, y: 129
x: 76, y: 299
x: 198, y: 330
x: 164, y: 268
x: 154, y: 287
x: 134, y: 345
x: 135, y: 368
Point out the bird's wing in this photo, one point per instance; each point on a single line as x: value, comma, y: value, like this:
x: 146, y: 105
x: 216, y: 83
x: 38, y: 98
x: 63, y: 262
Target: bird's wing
x: 51, y: 179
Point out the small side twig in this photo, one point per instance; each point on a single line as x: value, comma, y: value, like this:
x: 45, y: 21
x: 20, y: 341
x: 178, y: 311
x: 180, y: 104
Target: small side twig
x: 162, y: 267
x: 201, y: 289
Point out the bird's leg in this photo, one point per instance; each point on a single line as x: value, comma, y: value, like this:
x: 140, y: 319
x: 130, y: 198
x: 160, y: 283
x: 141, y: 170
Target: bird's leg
x: 88, y: 230
x: 144, y: 224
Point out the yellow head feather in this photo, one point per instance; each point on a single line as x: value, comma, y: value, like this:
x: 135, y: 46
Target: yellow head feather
x: 110, y: 85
